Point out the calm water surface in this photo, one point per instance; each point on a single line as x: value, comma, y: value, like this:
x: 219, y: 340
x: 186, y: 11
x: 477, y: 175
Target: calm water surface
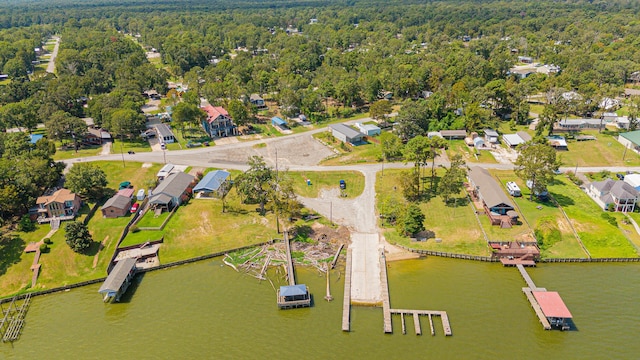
x: 207, y: 310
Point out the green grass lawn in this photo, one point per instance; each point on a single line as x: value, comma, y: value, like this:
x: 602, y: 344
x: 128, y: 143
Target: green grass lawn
x: 72, y: 154
x: 469, y: 154
x: 135, y: 172
x: 136, y: 145
x: 151, y: 220
x: 454, y: 223
x: 200, y: 228
x: 605, y: 151
x: 599, y: 237
x: 366, y: 153
x: 326, y: 180
x: 557, y: 240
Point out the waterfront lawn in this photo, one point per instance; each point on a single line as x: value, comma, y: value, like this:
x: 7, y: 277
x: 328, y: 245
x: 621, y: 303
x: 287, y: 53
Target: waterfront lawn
x: 601, y: 238
x: 453, y: 223
x: 553, y: 232
x: 15, y: 273
x: 459, y: 147
x: 605, y: 151
x: 326, y: 180
x: 200, y: 228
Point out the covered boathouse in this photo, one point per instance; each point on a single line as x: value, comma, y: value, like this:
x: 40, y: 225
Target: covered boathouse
x: 553, y: 309
x: 294, y: 296
x: 118, y: 280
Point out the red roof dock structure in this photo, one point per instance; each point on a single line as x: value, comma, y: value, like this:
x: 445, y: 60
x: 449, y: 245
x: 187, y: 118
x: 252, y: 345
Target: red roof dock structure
x: 548, y: 305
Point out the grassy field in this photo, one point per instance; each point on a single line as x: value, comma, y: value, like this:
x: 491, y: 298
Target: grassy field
x: 454, y: 223
x: 605, y: 151
x: 135, y: 172
x: 469, y: 154
x: 601, y: 238
x: 557, y: 240
x: 200, y: 228
x: 326, y: 180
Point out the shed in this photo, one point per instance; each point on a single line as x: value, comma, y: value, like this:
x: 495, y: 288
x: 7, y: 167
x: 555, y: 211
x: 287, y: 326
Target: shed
x: 278, y: 122
x: 478, y: 143
x: 141, y: 195
x: 491, y: 136
x: 345, y: 133
x: 369, y: 129
x: 293, y: 296
x: 128, y: 192
x: 213, y: 184
x: 118, y: 280
x: 116, y: 206
x: 630, y: 140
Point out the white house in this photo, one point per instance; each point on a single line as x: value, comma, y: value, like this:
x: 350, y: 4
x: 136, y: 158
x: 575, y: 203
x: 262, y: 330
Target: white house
x: 633, y: 180
x: 368, y: 129
x: 491, y: 136
x: 619, y: 193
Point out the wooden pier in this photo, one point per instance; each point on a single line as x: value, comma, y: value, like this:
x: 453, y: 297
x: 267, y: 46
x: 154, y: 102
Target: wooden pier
x: 446, y: 327
x: 526, y: 277
x: 536, y: 308
x: 292, y: 296
x: 13, y: 319
x: 346, y: 304
x: 384, y: 289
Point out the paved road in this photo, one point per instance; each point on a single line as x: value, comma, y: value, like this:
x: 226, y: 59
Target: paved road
x: 51, y: 66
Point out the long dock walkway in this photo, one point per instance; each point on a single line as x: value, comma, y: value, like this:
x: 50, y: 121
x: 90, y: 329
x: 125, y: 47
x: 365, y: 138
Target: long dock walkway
x: 290, y: 274
x: 346, y: 304
x: 384, y: 287
x: 13, y: 320
x: 536, y: 308
x: 526, y: 277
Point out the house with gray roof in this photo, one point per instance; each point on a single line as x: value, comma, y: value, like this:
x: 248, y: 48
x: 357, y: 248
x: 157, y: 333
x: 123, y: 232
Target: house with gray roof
x: 495, y: 201
x: 621, y: 194
x: 213, y: 184
x: 346, y: 133
x: 169, y: 193
x: 513, y: 140
x: 118, y: 205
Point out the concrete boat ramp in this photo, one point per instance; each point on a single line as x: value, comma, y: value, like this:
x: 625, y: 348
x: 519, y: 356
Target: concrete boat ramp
x: 366, y: 285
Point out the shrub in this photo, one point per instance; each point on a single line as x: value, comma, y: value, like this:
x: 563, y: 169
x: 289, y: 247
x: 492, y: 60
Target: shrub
x: 612, y: 220
x: 47, y: 241
x: 25, y: 224
x: 44, y: 248
x: 134, y: 228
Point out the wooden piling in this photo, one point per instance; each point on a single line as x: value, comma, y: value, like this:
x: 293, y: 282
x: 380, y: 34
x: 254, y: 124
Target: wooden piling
x: 416, y: 323
x: 433, y: 332
x: 328, y: 297
x: 335, y: 257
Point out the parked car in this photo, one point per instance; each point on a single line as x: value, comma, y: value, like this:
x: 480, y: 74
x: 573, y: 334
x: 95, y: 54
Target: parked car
x: 134, y: 208
x: 125, y: 185
x: 343, y: 184
x: 620, y: 176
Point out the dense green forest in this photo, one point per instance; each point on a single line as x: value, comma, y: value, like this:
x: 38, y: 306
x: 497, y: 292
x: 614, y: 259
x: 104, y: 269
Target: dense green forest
x: 446, y: 63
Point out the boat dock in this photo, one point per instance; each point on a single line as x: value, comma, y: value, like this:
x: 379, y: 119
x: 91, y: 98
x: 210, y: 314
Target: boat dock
x: 346, y: 304
x: 13, y: 320
x: 548, y: 305
x: 365, y: 267
x: 294, y: 295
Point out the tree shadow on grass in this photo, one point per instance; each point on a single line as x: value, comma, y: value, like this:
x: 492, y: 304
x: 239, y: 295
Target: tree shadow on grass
x: 457, y: 202
x: 11, y: 247
x: 93, y: 249
x: 563, y: 200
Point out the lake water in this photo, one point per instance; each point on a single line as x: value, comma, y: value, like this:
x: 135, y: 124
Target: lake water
x: 207, y: 310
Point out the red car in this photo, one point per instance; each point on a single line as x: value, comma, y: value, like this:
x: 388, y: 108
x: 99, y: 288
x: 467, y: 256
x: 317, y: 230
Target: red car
x: 134, y: 208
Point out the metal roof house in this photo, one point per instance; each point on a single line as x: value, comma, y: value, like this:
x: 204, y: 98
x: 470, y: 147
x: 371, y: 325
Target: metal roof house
x: 553, y: 308
x: 453, y: 134
x: 630, y: 140
x: 165, y: 135
x: 346, y: 133
x: 170, y: 191
x: 368, y: 129
x: 278, y: 122
x: 513, y: 140
x: 496, y: 203
x: 213, y: 184
x: 118, y: 280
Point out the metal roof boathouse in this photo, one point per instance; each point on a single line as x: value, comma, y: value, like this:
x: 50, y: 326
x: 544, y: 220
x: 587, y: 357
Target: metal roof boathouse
x: 118, y: 280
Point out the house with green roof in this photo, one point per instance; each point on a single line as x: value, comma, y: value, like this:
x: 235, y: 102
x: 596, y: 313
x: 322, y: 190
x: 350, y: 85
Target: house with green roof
x: 630, y: 140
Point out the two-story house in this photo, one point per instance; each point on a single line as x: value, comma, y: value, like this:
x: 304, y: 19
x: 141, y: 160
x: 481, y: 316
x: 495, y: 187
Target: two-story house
x: 258, y: 102
x: 62, y: 204
x: 218, y: 122
x: 619, y: 193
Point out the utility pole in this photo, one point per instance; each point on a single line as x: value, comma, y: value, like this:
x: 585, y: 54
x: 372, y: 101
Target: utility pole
x: 331, y: 212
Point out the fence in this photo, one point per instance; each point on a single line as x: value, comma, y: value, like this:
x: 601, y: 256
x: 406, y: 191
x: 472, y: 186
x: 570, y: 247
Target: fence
x: 451, y: 255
